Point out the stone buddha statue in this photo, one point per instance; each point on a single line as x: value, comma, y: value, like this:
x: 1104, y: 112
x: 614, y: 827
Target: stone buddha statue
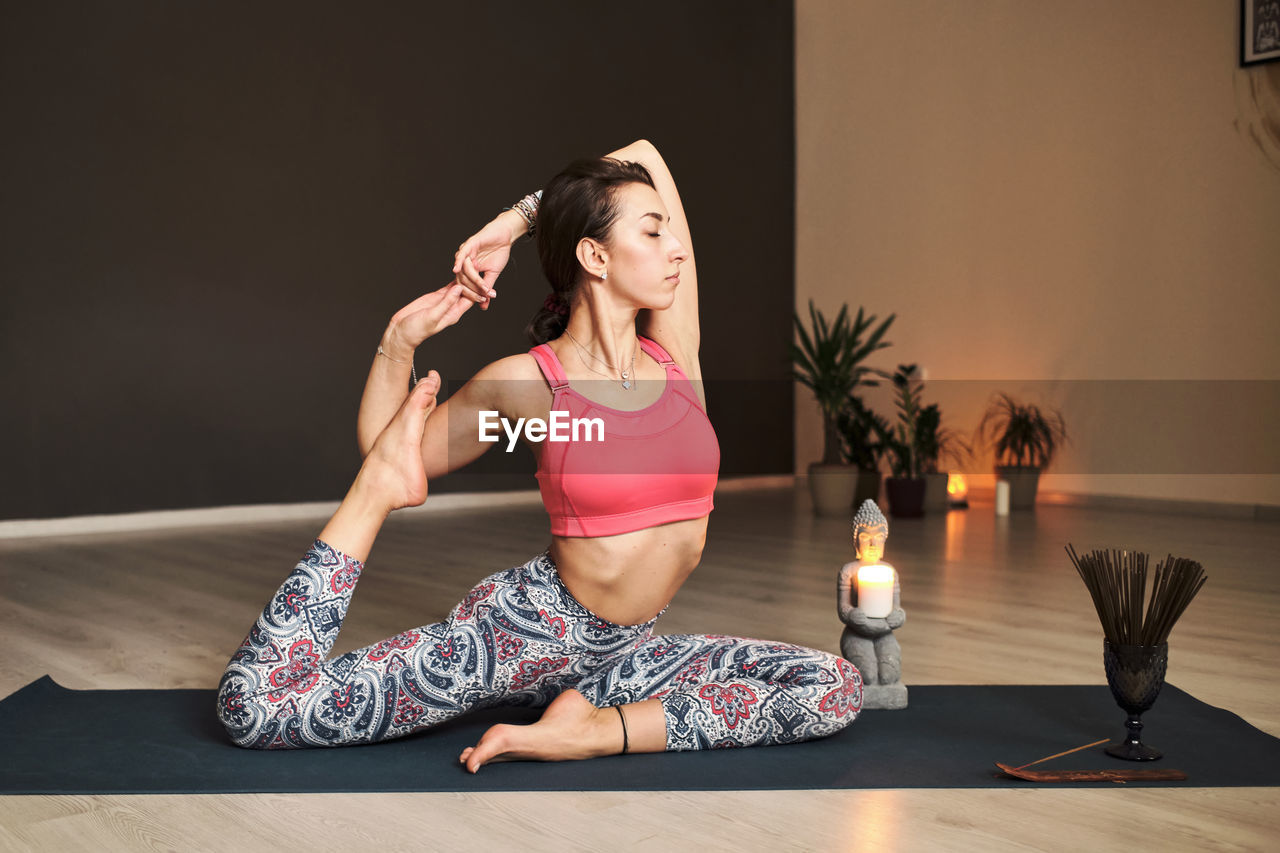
x: 868, y: 642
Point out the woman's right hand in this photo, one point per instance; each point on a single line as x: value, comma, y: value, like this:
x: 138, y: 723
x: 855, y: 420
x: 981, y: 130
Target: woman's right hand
x: 484, y: 255
x: 424, y: 317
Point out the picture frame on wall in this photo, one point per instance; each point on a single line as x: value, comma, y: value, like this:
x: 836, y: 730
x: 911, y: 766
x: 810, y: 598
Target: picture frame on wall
x: 1259, y: 31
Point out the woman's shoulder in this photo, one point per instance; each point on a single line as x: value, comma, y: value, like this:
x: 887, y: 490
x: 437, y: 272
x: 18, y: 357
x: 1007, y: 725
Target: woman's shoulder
x: 522, y: 365
x: 514, y: 384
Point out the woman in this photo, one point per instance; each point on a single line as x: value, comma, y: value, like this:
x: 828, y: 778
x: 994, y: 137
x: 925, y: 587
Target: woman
x: 571, y: 630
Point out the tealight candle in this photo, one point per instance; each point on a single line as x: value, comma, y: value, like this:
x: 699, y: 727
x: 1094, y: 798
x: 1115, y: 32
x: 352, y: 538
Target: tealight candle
x: 875, y: 590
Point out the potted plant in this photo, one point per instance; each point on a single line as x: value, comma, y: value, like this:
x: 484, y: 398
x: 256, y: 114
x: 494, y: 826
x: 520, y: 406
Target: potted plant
x: 1024, y: 440
x: 863, y: 443
x: 933, y: 442
x: 829, y: 361
x: 906, y: 486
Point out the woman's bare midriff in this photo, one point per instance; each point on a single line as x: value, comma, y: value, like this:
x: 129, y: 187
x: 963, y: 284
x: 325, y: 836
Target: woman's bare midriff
x: 629, y: 578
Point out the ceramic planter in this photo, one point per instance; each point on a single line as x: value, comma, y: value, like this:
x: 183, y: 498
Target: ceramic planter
x: 832, y: 488
x: 837, y: 490
x: 906, y: 496
x: 1023, y: 482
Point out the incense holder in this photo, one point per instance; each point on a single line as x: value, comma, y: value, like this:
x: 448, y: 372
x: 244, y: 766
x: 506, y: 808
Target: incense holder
x: 1135, y: 675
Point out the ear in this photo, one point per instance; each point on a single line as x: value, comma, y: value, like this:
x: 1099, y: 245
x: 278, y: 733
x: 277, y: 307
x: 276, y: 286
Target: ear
x: 593, y: 257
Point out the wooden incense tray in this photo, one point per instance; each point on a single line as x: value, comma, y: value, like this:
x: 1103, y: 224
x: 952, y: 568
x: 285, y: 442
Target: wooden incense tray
x: 1094, y: 775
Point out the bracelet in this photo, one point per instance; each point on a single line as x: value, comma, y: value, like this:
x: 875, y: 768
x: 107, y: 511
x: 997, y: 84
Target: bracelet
x: 624, y: 728
x: 527, y: 207
x: 413, y: 371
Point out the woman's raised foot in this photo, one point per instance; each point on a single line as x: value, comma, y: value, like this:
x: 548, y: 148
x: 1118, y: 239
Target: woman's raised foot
x: 393, y: 469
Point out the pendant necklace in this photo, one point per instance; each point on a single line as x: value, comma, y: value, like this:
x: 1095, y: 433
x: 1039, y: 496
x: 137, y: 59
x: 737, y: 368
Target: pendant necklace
x: 626, y: 374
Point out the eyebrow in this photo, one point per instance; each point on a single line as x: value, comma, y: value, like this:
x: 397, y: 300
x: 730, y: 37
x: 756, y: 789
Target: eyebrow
x: 657, y: 216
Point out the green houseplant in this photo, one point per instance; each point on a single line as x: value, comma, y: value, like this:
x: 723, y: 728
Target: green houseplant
x: 864, y: 437
x: 829, y: 359
x: 1024, y: 440
x: 906, y: 486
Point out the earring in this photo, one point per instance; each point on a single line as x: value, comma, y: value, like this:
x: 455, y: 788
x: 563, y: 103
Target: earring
x: 604, y: 276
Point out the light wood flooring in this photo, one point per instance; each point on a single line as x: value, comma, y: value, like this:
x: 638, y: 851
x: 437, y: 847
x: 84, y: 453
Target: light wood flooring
x: 988, y: 600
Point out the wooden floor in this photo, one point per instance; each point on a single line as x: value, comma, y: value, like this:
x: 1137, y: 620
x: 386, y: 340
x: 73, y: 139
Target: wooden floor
x: 988, y: 600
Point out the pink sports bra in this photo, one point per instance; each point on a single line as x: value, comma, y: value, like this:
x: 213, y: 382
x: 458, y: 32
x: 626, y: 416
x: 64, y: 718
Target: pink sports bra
x: 654, y: 465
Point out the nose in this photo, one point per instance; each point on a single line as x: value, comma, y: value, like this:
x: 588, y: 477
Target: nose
x: 679, y: 253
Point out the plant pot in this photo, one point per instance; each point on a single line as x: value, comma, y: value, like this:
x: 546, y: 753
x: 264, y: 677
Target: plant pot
x: 906, y: 496
x: 832, y: 488
x: 868, y: 488
x: 1023, y: 482
x: 935, y: 493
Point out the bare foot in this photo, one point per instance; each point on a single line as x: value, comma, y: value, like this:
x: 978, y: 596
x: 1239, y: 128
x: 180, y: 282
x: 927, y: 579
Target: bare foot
x: 393, y: 468
x: 571, y: 728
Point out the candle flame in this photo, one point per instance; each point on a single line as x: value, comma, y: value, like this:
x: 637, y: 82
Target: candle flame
x: 957, y: 486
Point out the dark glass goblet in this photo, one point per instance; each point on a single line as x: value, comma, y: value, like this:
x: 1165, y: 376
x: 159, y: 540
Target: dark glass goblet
x: 1135, y: 675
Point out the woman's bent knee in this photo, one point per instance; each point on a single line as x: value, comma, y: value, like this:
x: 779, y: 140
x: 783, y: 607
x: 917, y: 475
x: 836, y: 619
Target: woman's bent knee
x: 241, y: 710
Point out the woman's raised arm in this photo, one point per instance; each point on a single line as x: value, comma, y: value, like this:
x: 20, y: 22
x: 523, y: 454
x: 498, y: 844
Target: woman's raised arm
x: 676, y: 328
x: 483, y: 256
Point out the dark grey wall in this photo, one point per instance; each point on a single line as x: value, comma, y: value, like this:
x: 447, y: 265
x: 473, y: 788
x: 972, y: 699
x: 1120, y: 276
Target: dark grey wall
x: 209, y: 211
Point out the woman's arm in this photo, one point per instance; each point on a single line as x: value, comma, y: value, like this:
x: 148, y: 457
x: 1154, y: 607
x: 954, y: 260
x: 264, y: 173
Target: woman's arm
x: 512, y: 387
x: 675, y: 328
x: 388, y: 383
x: 482, y: 257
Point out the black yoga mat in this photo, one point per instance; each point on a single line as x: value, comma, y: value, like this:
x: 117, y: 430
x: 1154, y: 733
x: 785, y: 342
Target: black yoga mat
x: 59, y: 741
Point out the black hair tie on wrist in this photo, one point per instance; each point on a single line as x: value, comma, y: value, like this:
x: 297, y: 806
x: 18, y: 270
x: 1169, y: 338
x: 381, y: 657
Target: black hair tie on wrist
x: 622, y: 717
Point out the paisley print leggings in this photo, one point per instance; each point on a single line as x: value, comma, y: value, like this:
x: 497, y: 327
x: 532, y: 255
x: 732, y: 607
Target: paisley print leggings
x: 518, y: 638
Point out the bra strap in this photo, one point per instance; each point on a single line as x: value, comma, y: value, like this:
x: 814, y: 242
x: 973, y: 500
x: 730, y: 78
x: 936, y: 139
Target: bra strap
x: 550, y: 367
x: 655, y: 349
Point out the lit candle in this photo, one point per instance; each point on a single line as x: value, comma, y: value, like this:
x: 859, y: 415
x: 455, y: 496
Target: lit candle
x: 875, y: 590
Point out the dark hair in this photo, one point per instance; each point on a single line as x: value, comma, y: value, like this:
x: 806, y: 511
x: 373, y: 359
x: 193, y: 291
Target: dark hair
x: 579, y: 202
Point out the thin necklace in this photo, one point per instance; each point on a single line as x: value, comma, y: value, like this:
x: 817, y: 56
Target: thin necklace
x: 626, y: 374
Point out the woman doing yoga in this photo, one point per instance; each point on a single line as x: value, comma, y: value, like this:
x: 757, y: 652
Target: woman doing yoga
x: 572, y: 629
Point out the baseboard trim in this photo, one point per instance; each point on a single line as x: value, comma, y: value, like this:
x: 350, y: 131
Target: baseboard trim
x: 1125, y: 503
x: 135, y: 522
x: 1164, y: 506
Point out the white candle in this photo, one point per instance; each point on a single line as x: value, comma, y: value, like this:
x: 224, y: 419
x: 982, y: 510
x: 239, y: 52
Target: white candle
x: 875, y: 590
x: 1002, y: 497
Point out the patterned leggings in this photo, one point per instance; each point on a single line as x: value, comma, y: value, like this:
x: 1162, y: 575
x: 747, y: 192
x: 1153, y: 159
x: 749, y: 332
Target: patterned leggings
x: 518, y: 638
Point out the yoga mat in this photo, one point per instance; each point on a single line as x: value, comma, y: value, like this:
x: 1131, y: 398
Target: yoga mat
x: 59, y: 741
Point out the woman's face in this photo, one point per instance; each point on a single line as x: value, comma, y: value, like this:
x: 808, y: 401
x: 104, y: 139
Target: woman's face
x: 644, y: 257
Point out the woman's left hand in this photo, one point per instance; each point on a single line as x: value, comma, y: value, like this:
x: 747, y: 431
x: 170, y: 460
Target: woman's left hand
x: 484, y: 255
x: 423, y: 317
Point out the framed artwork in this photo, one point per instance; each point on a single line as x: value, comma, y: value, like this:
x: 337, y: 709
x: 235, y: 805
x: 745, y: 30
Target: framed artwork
x: 1259, y: 31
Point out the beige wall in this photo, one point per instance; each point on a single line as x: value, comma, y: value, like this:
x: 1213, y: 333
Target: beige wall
x: 1052, y: 197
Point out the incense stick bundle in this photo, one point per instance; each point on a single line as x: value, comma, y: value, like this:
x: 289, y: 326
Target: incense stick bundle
x: 1117, y: 582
